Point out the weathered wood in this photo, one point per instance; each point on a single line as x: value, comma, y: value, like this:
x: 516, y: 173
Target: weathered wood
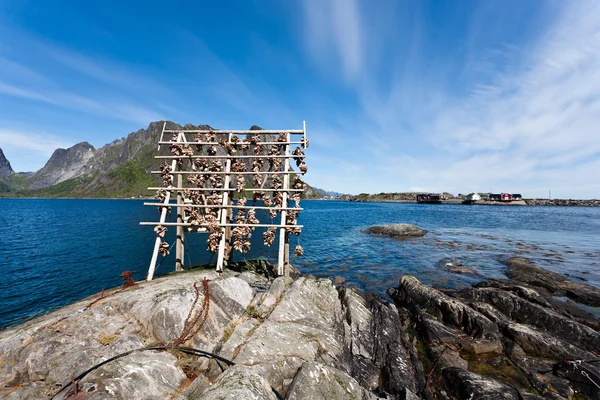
x: 256, y: 132
x: 223, y: 156
x: 228, y: 173
x: 179, y: 250
x: 225, y: 190
x: 205, y: 225
x: 282, y: 231
x: 223, y: 221
x: 227, y: 206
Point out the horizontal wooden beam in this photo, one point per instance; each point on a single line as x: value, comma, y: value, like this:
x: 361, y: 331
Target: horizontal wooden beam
x: 222, y: 131
x: 221, y: 225
x: 217, y: 143
x: 228, y: 173
x: 227, y: 206
x: 228, y: 156
x: 227, y: 190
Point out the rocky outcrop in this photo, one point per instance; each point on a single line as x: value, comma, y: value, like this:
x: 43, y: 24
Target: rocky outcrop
x: 5, y: 169
x: 305, y: 338
x: 396, y: 230
x: 522, y: 270
x: 501, y: 339
x: 279, y: 338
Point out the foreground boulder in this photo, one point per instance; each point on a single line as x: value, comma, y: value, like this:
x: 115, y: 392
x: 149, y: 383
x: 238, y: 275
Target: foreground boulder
x: 396, y: 230
x: 279, y: 332
x: 305, y: 338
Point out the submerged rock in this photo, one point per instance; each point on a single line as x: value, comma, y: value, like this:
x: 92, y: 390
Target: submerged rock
x: 396, y: 230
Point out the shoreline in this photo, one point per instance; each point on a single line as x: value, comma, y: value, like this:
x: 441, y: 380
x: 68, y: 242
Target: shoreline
x: 516, y: 203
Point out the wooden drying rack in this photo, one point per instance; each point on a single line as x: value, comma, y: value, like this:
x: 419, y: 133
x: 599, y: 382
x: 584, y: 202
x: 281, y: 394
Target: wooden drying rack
x: 226, y: 207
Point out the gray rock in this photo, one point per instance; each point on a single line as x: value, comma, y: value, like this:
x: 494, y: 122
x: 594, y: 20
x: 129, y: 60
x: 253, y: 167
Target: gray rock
x: 467, y: 385
x: 5, y: 169
x: 411, y: 293
x: 522, y: 270
x: 318, y: 382
x: 239, y: 383
x: 396, y: 230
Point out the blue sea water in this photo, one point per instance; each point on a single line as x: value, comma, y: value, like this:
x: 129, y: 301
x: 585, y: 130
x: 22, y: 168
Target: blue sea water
x: 56, y: 251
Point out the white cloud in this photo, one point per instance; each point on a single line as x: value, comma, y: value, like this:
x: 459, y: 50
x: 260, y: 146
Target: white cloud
x: 29, y: 151
x: 334, y: 27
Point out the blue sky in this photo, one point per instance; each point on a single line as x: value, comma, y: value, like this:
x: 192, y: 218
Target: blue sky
x: 397, y: 95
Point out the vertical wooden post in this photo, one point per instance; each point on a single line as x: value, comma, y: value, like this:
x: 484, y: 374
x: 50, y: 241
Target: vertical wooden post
x: 223, y: 221
x: 286, y: 256
x: 163, y: 216
x: 179, y: 246
x: 283, y: 249
x: 228, y: 245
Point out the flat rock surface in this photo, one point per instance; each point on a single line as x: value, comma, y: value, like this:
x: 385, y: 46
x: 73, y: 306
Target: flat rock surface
x: 396, y: 230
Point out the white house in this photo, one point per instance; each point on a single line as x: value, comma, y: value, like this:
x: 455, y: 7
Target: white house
x: 473, y: 197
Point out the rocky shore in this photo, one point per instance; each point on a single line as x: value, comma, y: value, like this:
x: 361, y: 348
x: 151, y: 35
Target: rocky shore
x: 306, y: 338
x: 563, y: 202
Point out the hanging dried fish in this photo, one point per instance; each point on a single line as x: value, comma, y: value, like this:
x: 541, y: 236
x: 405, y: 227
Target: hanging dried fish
x: 216, y: 166
x: 210, y: 136
x: 272, y: 213
x: 167, y: 181
x: 274, y: 161
x: 240, y: 183
x: 256, y: 196
x: 212, y: 150
x: 176, y: 149
x: 258, y: 149
x: 298, y: 183
x: 201, y: 164
x: 187, y: 150
x: 242, y: 201
x: 238, y: 166
x: 257, y: 164
x: 267, y: 201
x: 163, y: 249
x: 305, y: 142
x: 257, y: 180
x: 282, y: 138
x: 296, y: 198
x: 215, y: 233
x: 164, y: 167
x: 160, y: 230
x: 254, y: 139
x: 269, y: 236
x: 299, y: 251
x: 277, y: 199
x: 240, y: 217
x: 240, y: 236
x: 231, y: 149
x: 303, y: 167
x: 251, y: 217
x: 276, y: 182
x: 298, y: 155
x: 161, y: 195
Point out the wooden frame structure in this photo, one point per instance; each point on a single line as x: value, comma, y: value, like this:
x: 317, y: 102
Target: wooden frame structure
x: 207, y: 205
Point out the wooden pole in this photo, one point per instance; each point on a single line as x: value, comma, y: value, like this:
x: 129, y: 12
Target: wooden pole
x: 179, y: 249
x: 286, y: 256
x: 282, y: 232
x: 158, y: 240
x: 223, y: 215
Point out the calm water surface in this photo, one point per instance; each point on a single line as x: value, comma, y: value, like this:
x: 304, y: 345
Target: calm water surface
x: 56, y: 251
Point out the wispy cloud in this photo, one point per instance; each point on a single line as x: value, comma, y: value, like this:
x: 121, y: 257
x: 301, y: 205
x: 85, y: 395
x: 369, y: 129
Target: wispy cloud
x: 504, y: 116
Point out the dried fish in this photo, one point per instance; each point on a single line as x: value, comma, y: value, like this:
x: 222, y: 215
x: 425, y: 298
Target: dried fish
x: 299, y: 251
x: 257, y: 196
x: 276, y: 182
x: 269, y: 236
x: 160, y: 230
x: 163, y: 249
x: 298, y: 155
x: 254, y: 139
x: 298, y: 183
x: 210, y: 136
x: 303, y: 167
x: 257, y: 164
x: 251, y: 217
x: 161, y: 195
x: 187, y: 150
x: 240, y: 183
x: 305, y: 142
x: 238, y: 166
x: 212, y: 150
x: 257, y: 180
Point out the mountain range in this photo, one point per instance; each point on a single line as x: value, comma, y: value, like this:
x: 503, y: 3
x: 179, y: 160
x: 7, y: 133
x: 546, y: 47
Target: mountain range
x: 120, y: 169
